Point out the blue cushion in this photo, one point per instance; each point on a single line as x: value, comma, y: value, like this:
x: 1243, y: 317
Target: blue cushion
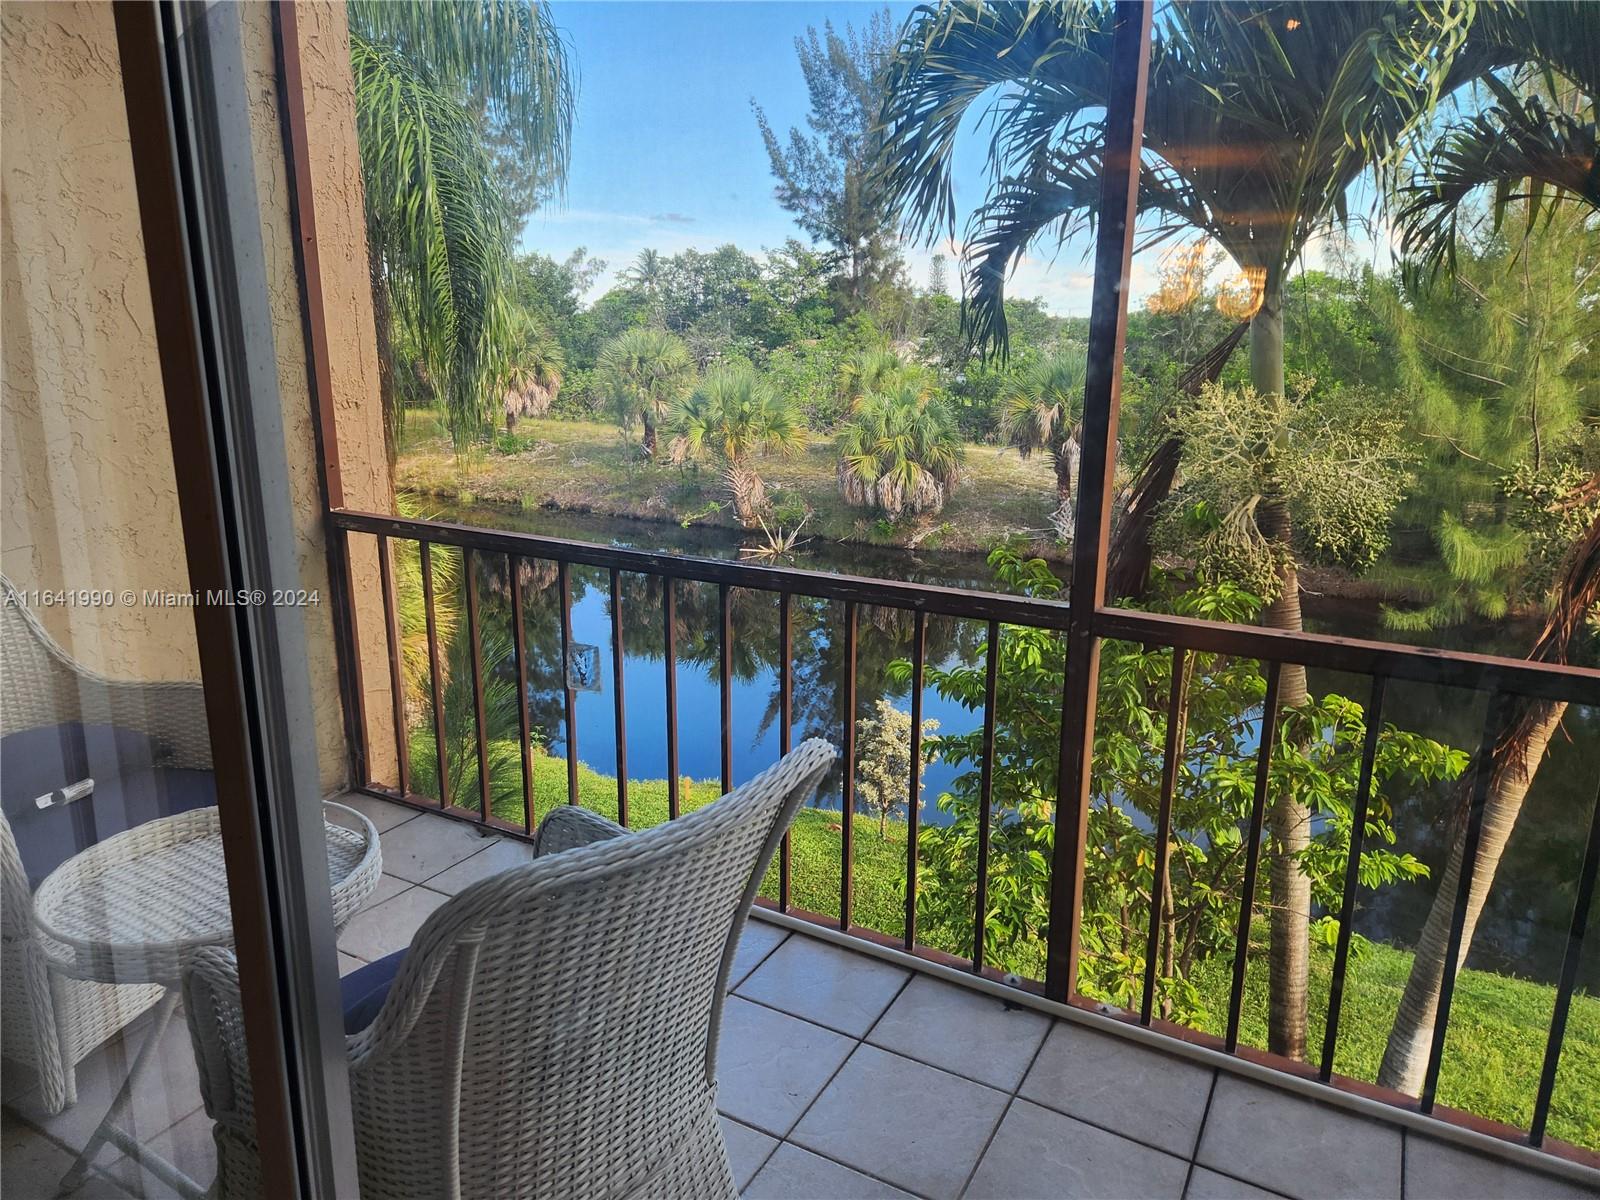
x: 363, y: 991
x: 34, y: 762
x: 114, y: 749
x: 47, y: 838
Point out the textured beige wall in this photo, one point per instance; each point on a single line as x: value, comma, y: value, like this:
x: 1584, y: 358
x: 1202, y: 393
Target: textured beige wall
x: 335, y: 168
x: 86, y: 476
x: 352, y: 348
x: 85, y: 462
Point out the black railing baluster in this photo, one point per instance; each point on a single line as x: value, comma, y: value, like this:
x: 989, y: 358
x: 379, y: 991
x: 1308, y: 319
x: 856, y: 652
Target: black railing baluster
x: 785, y: 727
x: 1494, y: 723
x: 1352, y: 874
x: 474, y: 642
x: 426, y: 553
x: 985, y: 793
x: 397, y: 686
x: 519, y: 643
x: 1535, y: 680
x: 1571, y: 957
x: 620, y: 697
x: 669, y: 643
x: 565, y: 580
x: 1508, y: 681
x: 848, y: 784
x: 1252, y: 854
x: 1171, y: 762
x: 919, y: 650
x: 725, y: 683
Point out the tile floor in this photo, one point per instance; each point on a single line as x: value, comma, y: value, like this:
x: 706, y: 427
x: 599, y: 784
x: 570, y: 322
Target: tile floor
x: 844, y: 1076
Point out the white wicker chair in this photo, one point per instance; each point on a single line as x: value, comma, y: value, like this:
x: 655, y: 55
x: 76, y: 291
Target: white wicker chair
x: 50, y: 1022
x: 552, y: 1031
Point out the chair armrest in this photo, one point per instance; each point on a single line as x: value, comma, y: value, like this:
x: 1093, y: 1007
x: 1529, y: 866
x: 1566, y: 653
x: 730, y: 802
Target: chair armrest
x: 570, y: 827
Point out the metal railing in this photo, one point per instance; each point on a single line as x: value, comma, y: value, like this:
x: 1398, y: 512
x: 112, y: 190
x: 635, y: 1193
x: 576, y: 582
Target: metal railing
x: 1505, y: 681
x: 1085, y: 623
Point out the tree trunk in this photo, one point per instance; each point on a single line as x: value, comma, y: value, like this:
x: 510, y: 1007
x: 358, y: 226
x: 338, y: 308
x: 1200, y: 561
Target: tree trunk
x: 383, y: 325
x: 1289, y: 833
x: 1513, y: 758
x: 1405, y: 1059
x: 649, y: 432
x: 749, y: 493
x: 1288, y: 820
x: 1066, y: 466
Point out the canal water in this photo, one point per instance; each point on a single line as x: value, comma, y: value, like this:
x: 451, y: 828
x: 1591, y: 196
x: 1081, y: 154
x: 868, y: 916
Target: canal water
x: 1523, y: 928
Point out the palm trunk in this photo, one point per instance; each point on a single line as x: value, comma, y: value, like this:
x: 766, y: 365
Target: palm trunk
x: 1405, y: 1059
x: 1513, y: 760
x: 649, y: 432
x: 1066, y: 458
x: 1289, y: 821
x: 1289, y: 829
x: 383, y: 325
x: 749, y: 493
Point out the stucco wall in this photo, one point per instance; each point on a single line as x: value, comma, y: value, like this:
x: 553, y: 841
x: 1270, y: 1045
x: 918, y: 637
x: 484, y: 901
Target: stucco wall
x: 340, y: 225
x: 86, y: 475
x: 89, y: 499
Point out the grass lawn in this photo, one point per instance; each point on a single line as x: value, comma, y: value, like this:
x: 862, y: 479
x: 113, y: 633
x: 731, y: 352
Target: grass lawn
x: 1498, y: 1024
x: 588, y: 467
x: 1493, y: 1051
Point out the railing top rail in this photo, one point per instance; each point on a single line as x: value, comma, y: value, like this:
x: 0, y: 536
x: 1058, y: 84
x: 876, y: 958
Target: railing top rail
x: 967, y: 603
x: 1421, y: 664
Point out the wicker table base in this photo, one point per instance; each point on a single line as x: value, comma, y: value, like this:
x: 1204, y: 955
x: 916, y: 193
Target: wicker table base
x: 135, y: 907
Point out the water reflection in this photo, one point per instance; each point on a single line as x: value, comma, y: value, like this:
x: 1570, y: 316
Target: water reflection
x: 1530, y: 900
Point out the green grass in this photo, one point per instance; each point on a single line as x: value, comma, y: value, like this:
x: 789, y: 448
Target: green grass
x: 1493, y: 1051
x: 815, y: 840
x: 589, y: 467
x: 1498, y: 1023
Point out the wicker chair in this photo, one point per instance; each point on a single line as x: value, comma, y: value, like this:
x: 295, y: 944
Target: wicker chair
x: 552, y: 1031
x: 50, y: 1022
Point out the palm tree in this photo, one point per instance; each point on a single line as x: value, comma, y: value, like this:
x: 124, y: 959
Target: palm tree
x: 1042, y: 408
x: 731, y: 418
x: 433, y: 82
x: 1259, y: 117
x: 1513, y: 758
x: 534, y: 368
x: 878, y: 369
x: 649, y: 275
x: 900, y: 452
x: 644, y: 372
x: 506, y: 63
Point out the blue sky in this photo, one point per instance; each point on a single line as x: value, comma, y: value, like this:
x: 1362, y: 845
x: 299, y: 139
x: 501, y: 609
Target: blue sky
x: 666, y: 153
x: 665, y: 149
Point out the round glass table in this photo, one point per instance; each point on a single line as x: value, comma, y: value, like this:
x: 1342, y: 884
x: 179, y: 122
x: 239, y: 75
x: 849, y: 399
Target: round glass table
x: 135, y: 907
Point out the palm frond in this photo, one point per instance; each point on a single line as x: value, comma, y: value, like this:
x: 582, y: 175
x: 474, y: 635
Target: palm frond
x: 505, y: 57
x: 900, y: 450
x: 949, y: 57
x: 735, y: 414
x: 1525, y: 149
x: 644, y: 371
x: 1259, y: 118
x: 438, y: 226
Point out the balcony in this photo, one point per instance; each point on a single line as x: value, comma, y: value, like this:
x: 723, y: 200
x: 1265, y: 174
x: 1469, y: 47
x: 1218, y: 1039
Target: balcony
x: 847, y: 1071
x: 934, y: 1022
